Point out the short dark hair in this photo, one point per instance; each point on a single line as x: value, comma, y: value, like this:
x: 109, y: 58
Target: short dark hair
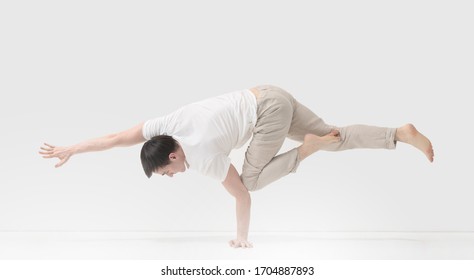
x: 155, y: 153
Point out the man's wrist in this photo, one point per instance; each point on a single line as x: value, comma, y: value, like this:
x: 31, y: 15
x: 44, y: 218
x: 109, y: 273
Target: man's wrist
x: 242, y: 237
x: 74, y: 149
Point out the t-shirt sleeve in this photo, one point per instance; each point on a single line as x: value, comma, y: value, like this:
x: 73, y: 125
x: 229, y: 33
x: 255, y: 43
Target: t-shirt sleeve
x: 152, y: 128
x: 219, y: 167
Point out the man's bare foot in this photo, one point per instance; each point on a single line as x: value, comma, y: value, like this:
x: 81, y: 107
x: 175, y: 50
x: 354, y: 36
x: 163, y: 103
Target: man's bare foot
x: 313, y: 143
x: 410, y: 135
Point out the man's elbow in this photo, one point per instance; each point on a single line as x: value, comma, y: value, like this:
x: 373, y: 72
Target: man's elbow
x: 113, y: 140
x: 125, y: 139
x: 243, y: 195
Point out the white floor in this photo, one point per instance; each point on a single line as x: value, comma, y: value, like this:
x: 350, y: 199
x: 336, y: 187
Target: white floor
x: 205, y: 245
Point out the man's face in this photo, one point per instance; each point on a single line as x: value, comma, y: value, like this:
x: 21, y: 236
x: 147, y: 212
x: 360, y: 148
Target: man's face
x: 177, y: 164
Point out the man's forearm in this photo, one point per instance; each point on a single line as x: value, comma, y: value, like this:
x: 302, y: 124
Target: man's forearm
x: 243, y: 203
x: 236, y: 188
x: 96, y: 144
x: 124, y: 138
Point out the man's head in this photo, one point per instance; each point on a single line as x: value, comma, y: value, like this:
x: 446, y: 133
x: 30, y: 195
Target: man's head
x: 163, y: 155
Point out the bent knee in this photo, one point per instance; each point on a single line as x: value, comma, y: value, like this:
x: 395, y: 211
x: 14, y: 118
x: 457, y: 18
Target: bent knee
x: 250, y: 181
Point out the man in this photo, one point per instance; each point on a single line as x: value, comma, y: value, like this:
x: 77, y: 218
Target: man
x: 201, y: 135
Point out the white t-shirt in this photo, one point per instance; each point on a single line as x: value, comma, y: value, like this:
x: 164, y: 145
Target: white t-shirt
x: 208, y: 130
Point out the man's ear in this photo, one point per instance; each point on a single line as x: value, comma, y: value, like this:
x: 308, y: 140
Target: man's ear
x: 172, y: 156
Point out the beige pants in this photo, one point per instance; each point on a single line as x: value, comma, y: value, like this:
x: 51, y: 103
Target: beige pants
x: 280, y: 115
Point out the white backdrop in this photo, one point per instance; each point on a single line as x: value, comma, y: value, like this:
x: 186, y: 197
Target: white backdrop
x: 74, y: 70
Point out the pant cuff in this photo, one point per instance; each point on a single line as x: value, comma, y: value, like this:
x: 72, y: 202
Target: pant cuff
x: 297, y: 161
x: 390, y: 141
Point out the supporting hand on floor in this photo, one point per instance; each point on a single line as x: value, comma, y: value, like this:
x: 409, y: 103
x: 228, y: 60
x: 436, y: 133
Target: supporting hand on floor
x: 236, y: 243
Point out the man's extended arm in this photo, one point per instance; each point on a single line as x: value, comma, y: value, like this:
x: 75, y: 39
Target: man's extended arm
x: 236, y: 188
x: 124, y: 138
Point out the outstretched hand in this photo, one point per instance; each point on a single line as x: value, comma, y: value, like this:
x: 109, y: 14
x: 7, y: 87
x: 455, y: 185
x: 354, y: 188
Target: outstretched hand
x: 236, y: 243
x: 62, y: 153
